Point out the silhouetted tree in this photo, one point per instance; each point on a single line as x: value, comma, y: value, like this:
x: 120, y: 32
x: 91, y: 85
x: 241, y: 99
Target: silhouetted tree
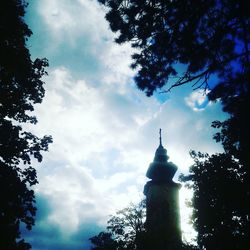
x: 125, y: 230
x: 205, y: 37
x: 103, y: 241
x: 189, y: 41
x: 220, y: 214
x: 20, y: 88
x: 127, y: 225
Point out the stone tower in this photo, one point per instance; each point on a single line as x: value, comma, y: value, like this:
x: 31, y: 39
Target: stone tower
x: 162, y: 203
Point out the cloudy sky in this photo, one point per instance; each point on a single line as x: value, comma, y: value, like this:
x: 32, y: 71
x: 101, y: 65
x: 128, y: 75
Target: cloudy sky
x: 105, y: 131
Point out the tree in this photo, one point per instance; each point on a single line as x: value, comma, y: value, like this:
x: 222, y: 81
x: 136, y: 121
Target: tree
x: 20, y: 88
x: 182, y: 42
x: 104, y: 241
x: 125, y: 230
x: 205, y: 37
x: 220, y: 214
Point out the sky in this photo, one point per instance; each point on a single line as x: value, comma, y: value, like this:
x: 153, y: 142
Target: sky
x: 105, y: 131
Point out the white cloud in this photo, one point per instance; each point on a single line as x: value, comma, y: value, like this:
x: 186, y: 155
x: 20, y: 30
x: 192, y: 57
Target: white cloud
x: 79, y: 33
x: 85, y: 123
x: 197, y: 100
x: 67, y: 20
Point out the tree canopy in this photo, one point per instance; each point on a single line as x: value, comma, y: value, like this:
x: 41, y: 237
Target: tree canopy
x: 220, y: 214
x: 21, y: 87
x: 125, y: 230
x: 205, y: 37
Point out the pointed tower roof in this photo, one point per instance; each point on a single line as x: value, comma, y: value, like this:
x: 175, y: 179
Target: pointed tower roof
x: 160, y: 169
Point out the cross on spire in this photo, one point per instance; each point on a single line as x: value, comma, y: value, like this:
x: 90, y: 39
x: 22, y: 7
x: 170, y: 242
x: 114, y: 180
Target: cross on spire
x: 160, y: 137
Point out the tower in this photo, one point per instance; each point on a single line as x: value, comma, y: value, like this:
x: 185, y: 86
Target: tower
x: 162, y: 203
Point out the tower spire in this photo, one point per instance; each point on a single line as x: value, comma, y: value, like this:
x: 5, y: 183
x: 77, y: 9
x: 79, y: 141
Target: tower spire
x: 160, y: 137
x: 162, y: 206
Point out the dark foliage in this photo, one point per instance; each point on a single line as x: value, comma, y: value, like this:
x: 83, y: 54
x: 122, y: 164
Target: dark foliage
x: 20, y: 88
x: 125, y: 230
x: 103, y: 241
x: 220, y: 213
x: 205, y: 37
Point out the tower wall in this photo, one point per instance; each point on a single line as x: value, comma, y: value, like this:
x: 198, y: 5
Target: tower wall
x: 162, y: 201
x: 163, y: 219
